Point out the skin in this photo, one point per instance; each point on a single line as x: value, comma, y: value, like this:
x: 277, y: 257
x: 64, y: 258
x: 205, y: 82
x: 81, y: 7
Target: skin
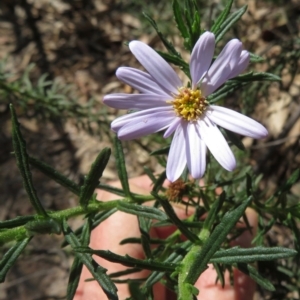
x: 121, y: 225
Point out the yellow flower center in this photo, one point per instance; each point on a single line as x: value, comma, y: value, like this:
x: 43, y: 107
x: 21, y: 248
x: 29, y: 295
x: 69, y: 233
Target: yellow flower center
x: 189, y: 104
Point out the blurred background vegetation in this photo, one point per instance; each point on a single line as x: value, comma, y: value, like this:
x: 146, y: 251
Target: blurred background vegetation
x: 57, y: 60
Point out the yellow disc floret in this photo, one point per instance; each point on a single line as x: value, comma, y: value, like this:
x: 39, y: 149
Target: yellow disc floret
x: 189, y: 104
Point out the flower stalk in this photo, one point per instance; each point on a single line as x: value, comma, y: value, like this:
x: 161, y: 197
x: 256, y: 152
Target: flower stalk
x: 196, y: 260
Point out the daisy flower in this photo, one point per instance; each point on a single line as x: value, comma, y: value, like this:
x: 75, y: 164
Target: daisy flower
x: 165, y: 104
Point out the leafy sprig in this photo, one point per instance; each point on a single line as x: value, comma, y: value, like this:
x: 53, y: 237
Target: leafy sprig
x: 176, y: 261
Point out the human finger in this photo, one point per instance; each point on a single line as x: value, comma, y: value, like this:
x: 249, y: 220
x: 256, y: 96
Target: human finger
x: 107, y: 236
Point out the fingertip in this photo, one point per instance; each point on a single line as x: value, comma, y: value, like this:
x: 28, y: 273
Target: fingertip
x: 210, y: 289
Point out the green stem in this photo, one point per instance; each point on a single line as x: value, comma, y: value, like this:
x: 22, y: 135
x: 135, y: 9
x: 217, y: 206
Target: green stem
x: 196, y: 260
x: 187, y: 290
x: 20, y: 232
x: 44, y: 100
x: 12, y: 234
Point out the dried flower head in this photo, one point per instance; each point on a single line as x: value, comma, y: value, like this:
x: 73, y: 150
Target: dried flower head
x: 176, y: 190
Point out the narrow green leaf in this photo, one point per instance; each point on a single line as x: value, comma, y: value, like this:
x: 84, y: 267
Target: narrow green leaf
x: 92, y: 179
x: 289, y: 183
x: 121, y: 167
x: 175, y: 257
x: 173, y: 217
x: 256, y: 76
x: 169, y: 46
x: 43, y: 83
x: 185, y: 174
x: 234, y: 139
x: 196, y: 28
x: 144, y: 226
x: 142, y: 210
x: 96, y: 270
x: 238, y: 82
x: 133, y: 240
x: 228, y: 23
x: 55, y: 175
x: 254, y: 58
x: 294, y: 210
x: 159, y: 182
x: 23, y: 163
x: 252, y: 273
x: 86, y: 231
x: 225, y: 91
x: 128, y: 281
x: 211, y: 216
x: 222, y: 17
x: 77, y: 265
x: 249, y: 188
x: 129, y: 261
x: 102, y: 216
x: 135, y: 291
x: 161, y: 151
x: 125, y: 272
x: 176, y: 61
x: 246, y: 221
x: 18, y: 221
x: 220, y: 273
x: 189, y: 12
x: 186, y: 222
x: 213, y: 243
x: 11, y: 256
x: 296, y: 232
x: 120, y: 192
x: 111, y: 189
x: 261, y: 232
x: 150, y: 174
x: 228, y: 182
x: 249, y: 255
x: 286, y: 271
x: 74, y: 278
x: 177, y: 12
